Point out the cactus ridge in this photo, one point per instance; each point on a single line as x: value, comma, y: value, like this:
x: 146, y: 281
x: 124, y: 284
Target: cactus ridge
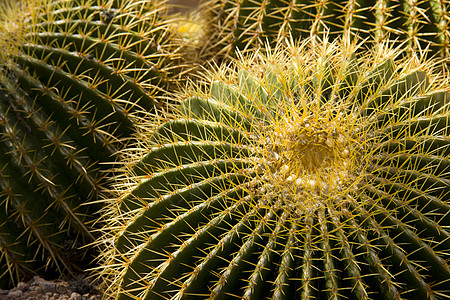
x: 307, y: 171
x: 77, y: 78
x: 245, y: 24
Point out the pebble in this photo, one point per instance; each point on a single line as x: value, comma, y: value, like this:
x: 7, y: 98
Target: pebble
x: 75, y: 296
x: 46, y: 286
x: 15, y: 294
x: 21, y: 286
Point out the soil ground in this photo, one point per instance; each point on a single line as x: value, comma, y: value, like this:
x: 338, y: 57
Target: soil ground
x: 41, y: 289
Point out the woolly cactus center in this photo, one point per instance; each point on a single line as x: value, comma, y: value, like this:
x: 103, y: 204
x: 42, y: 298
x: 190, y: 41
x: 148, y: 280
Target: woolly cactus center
x: 308, y: 148
x: 307, y: 160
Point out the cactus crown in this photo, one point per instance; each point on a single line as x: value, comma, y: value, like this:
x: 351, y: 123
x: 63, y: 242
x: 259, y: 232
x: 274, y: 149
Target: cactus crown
x: 304, y: 172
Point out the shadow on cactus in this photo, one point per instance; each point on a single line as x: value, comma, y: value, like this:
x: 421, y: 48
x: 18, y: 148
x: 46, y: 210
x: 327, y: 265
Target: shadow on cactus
x: 245, y: 24
x: 77, y: 76
x: 307, y: 172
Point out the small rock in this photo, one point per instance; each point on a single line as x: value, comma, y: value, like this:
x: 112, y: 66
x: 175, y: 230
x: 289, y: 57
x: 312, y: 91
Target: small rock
x: 15, y: 294
x: 22, y: 286
x: 75, y: 296
x: 62, y: 287
x: 3, y: 292
x: 46, y: 286
x: 62, y: 284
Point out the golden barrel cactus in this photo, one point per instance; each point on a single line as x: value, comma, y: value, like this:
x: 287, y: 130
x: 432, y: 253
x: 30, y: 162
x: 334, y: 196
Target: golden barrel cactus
x: 306, y: 172
x: 76, y: 77
x: 245, y: 24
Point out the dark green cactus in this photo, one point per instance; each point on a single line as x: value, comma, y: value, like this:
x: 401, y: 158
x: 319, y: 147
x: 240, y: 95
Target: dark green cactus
x: 308, y: 173
x: 245, y: 24
x: 76, y: 79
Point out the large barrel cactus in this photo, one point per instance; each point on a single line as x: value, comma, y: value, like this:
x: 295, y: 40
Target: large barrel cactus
x: 76, y: 78
x: 245, y: 24
x: 306, y: 173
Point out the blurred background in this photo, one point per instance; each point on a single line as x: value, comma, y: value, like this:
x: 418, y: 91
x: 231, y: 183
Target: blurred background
x: 184, y: 5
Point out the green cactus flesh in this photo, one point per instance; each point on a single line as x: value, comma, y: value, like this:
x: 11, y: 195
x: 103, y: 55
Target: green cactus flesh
x: 82, y: 75
x: 308, y: 173
x: 244, y: 24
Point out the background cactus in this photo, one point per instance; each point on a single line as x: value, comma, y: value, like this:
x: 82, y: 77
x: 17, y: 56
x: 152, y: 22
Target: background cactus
x: 76, y: 78
x: 309, y: 172
x: 245, y: 24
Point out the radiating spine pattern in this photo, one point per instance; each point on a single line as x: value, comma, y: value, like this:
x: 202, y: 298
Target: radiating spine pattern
x: 306, y: 172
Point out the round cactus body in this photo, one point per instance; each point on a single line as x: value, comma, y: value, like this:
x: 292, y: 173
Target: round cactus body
x: 307, y: 173
x: 246, y: 24
x: 76, y: 78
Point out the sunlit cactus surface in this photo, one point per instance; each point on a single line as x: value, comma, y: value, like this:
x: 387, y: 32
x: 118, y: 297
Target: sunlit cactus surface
x: 76, y: 77
x: 245, y: 24
x: 302, y: 173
